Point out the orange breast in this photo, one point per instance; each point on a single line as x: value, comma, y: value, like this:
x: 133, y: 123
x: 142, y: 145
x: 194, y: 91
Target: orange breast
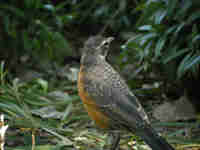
x: 89, y: 104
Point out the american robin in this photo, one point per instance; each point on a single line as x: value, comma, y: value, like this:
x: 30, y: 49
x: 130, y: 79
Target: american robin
x: 107, y: 98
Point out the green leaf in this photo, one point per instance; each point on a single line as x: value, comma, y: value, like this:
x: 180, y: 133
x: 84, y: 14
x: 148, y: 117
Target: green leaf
x: 145, y: 28
x: 149, y: 10
x: 183, y: 11
x: 43, y: 84
x: 179, y: 27
x: 61, y: 5
x: 159, y: 16
x: 159, y: 45
x: 196, y: 38
x: 175, y: 54
x: 194, y: 16
x: 126, y: 20
x: 32, y: 4
x: 194, y: 61
x: 171, y: 29
x: 67, y: 111
x: 49, y: 7
x: 132, y: 45
x: 101, y: 10
x: 171, y: 7
x: 184, y: 62
x: 147, y: 49
x: 140, y: 7
x: 16, y: 11
x: 26, y: 41
x: 6, y: 22
x: 122, y: 5
x: 147, y: 37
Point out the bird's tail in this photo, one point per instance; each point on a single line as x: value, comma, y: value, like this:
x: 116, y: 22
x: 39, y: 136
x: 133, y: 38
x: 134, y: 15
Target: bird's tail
x: 151, y: 138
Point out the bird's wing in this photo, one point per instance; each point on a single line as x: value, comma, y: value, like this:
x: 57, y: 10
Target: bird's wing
x: 121, y: 107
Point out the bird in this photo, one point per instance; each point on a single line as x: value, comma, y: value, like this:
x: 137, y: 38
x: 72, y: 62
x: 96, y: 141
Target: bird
x: 108, y: 99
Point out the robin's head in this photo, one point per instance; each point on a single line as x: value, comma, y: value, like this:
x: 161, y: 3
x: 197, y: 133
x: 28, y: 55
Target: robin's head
x: 96, y: 47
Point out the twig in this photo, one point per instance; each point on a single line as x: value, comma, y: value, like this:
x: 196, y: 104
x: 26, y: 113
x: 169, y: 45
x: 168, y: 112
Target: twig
x: 33, y: 139
x: 188, y: 146
x: 3, y: 129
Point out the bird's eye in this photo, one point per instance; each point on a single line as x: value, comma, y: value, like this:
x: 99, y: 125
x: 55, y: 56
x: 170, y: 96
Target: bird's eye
x: 106, y: 43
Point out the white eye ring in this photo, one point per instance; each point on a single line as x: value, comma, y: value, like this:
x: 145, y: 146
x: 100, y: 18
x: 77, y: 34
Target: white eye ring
x: 106, y: 42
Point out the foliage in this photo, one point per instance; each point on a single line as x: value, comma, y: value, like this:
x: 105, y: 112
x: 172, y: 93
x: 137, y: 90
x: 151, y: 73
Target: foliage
x: 42, y: 30
x: 34, y: 108
x: 32, y: 28
x: 168, y: 35
x: 119, y: 15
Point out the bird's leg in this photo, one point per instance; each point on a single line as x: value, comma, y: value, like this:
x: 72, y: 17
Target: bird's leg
x: 115, y: 140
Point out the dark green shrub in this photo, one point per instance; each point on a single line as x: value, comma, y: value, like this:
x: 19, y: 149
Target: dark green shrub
x: 33, y: 28
x: 98, y: 13
x: 40, y: 29
x: 168, y: 35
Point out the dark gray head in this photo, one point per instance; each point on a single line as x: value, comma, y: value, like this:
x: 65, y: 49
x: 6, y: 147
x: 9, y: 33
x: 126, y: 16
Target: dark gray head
x: 95, y: 47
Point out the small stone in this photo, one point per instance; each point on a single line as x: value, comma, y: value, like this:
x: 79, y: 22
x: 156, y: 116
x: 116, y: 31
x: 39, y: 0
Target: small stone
x: 181, y: 109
